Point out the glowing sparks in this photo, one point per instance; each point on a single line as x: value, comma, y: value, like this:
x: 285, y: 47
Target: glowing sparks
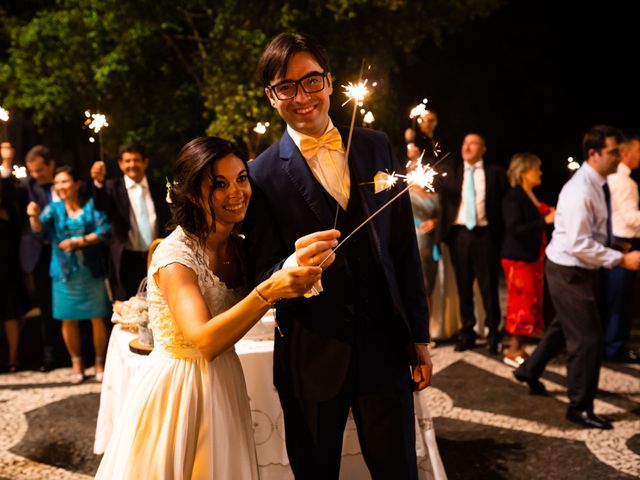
x: 356, y: 92
x: 19, y: 172
x: 572, y: 164
x: 95, y: 121
x: 261, y: 128
x: 384, y: 181
x: 420, y: 176
x: 419, y: 110
x: 4, y: 115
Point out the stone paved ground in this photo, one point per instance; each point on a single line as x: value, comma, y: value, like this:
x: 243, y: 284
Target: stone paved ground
x: 486, y: 423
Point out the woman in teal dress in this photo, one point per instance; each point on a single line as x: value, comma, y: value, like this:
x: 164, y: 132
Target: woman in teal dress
x: 76, y: 231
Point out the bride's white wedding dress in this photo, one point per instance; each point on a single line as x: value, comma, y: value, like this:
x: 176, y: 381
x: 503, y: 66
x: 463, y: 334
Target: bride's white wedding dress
x: 184, y: 417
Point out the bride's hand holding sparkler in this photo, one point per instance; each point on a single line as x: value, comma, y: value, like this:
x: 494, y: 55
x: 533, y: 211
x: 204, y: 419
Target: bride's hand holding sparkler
x: 316, y: 249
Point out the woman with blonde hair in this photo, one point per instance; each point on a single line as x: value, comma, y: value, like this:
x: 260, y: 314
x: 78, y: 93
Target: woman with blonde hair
x: 523, y: 253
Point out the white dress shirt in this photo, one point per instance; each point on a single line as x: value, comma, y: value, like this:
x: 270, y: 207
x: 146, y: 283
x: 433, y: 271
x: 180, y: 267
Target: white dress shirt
x: 624, y: 203
x: 329, y: 167
x: 135, y: 241
x: 480, y: 186
x: 580, y: 233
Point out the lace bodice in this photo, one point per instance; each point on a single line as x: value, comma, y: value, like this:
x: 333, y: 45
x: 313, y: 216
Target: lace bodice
x: 179, y: 247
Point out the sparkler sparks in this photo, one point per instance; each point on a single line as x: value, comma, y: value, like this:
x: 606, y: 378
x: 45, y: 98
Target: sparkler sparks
x: 419, y: 110
x: 421, y: 176
x: 19, y: 172
x: 356, y: 92
x: 572, y: 164
x: 261, y: 128
x: 4, y: 115
x: 95, y: 121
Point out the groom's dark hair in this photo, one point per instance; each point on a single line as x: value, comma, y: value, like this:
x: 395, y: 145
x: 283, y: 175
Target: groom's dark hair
x: 274, y: 60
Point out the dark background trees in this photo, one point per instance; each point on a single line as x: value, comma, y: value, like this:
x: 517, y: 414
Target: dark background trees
x: 529, y: 75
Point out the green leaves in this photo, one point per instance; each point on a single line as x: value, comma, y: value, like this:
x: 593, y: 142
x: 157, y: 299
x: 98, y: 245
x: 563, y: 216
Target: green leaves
x: 165, y: 71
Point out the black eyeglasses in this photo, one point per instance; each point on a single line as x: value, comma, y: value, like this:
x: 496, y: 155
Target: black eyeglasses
x: 311, y: 83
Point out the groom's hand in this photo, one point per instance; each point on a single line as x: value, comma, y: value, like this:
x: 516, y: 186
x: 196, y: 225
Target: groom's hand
x: 317, y: 247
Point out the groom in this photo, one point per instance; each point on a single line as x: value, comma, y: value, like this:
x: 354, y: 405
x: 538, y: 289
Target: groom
x: 351, y: 342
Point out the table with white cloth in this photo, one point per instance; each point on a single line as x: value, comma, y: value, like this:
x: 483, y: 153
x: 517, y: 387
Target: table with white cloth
x: 256, y: 357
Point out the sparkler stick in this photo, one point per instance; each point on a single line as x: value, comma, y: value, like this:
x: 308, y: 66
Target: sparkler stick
x: 96, y: 122
x: 356, y: 93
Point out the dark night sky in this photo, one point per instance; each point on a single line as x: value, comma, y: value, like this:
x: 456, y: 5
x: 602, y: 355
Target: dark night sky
x: 534, y: 76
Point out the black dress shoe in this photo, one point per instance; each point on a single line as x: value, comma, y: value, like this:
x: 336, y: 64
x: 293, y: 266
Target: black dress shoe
x: 464, y: 345
x: 588, y: 419
x: 627, y: 356
x: 536, y: 387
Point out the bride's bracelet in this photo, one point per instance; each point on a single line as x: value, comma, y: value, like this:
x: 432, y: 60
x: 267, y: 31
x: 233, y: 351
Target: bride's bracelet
x: 263, y: 298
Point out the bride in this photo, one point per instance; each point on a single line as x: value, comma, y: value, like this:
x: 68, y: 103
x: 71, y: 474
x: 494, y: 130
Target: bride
x: 188, y: 415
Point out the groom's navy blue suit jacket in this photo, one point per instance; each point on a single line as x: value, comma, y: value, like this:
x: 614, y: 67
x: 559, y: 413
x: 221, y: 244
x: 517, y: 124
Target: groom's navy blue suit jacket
x: 287, y: 203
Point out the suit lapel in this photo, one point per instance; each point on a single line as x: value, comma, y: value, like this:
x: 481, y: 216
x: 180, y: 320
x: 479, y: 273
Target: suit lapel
x: 122, y: 199
x: 299, y: 173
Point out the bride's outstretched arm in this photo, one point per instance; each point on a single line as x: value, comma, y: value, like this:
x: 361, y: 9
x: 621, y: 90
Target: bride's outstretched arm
x: 213, y: 336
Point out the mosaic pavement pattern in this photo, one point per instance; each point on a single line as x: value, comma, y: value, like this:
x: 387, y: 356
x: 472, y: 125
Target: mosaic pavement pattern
x: 486, y: 423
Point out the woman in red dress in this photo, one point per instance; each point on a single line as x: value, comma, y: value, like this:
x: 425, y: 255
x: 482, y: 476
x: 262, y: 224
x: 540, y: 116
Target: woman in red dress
x: 523, y: 253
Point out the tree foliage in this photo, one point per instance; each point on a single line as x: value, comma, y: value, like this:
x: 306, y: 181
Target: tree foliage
x: 164, y: 71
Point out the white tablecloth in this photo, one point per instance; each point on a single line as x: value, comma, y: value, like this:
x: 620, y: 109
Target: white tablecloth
x: 257, y: 363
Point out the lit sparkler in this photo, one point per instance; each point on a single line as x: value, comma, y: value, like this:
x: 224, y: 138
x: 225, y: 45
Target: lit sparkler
x: 572, y: 164
x: 419, y: 109
x: 96, y: 122
x: 421, y: 176
x: 357, y: 93
x: 261, y: 128
x: 19, y: 172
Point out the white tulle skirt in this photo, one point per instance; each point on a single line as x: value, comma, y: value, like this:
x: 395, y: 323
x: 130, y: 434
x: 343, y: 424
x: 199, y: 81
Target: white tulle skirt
x: 184, y: 418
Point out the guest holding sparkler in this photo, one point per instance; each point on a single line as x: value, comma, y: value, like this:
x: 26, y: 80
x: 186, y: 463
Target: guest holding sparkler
x: 77, y: 232
x: 350, y: 346
x: 525, y: 239
x: 13, y: 295
x: 423, y: 137
x: 580, y: 246
x: 35, y: 253
x: 471, y: 224
x: 137, y: 210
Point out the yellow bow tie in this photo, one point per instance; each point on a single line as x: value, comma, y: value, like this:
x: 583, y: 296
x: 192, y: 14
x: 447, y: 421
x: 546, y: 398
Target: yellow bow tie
x: 331, y: 140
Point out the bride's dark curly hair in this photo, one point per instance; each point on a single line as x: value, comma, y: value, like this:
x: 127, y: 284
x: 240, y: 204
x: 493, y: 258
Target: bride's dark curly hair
x: 194, y: 164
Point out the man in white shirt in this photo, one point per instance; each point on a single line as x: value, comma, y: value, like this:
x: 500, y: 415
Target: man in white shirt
x: 580, y: 246
x: 618, y: 282
x: 138, y: 214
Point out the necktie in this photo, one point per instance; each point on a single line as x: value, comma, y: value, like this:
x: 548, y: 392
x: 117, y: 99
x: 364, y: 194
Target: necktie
x: 607, y: 198
x: 470, y: 200
x: 143, y: 215
x: 331, y: 140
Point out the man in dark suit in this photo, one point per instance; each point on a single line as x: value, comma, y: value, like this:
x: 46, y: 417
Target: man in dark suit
x: 471, y: 223
x: 35, y: 254
x: 350, y: 346
x: 138, y: 214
